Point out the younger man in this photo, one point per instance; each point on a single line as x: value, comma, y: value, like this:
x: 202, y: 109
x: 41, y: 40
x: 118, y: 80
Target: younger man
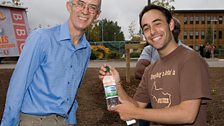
x: 176, y: 85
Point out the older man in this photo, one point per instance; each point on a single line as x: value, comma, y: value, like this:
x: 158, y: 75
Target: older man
x: 50, y: 69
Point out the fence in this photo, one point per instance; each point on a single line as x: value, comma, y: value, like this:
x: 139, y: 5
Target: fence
x: 118, y: 46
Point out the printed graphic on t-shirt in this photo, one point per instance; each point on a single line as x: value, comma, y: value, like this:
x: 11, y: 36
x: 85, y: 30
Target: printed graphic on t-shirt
x: 162, y: 74
x: 159, y: 96
x: 162, y: 98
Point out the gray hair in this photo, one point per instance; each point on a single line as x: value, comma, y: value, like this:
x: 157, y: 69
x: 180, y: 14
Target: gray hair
x: 71, y: 1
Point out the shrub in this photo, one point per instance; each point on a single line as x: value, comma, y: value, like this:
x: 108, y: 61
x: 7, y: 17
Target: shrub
x: 99, y: 51
x: 94, y: 54
x: 135, y: 54
x: 113, y: 55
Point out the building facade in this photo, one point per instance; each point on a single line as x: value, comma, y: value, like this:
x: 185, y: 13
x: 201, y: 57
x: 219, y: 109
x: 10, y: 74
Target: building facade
x: 199, y: 25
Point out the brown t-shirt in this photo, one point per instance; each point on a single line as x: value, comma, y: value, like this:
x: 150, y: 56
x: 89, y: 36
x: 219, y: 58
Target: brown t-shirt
x: 182, y: 75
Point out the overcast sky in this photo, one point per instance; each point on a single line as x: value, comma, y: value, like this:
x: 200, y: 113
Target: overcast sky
x: 52, y: 12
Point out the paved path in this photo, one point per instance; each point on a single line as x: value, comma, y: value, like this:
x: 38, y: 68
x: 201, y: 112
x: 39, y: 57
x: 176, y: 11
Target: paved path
x: 215, y: 62
x: 117, y: 63
x: 121, y: 64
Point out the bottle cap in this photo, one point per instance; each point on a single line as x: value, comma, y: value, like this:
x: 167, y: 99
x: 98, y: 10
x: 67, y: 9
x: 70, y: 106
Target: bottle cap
x: 107, y: 68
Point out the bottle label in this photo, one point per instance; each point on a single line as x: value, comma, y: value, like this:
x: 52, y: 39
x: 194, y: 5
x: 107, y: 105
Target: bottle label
x: 110, y: 91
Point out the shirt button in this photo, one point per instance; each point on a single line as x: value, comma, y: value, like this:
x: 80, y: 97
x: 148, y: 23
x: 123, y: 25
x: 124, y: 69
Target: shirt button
x: 71, y: 66
x: 67, y: 99
x: 68, y: 82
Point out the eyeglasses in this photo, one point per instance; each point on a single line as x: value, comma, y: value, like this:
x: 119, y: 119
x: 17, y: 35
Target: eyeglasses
x: 82, y: 5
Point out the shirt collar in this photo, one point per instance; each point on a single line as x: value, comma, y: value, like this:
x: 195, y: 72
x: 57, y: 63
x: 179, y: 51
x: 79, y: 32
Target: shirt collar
x: 64, y: 34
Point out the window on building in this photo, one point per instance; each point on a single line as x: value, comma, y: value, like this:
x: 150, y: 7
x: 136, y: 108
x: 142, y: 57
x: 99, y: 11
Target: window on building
x: 185, y: 20
x: 191, y: 20
x: 202, y: 20
x: 202, y: 35
x: 214, y: 19
x: 191, y: 35
x: 196, y: 35
x: 185, y: 35
x: 208, y: 20
x: 220, y: 34
x: 215, y: 35
x: 220, y: 19
x: 197, y: 20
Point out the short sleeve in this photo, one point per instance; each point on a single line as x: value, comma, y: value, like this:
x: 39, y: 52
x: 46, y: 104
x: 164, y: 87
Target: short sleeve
x: 194, y: 78
x: 146, y: 53
x: 142, y: 93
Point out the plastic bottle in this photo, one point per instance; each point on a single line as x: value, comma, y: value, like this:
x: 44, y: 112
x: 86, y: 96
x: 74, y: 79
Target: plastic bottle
x: 111, y: 93
x: 110, y: 90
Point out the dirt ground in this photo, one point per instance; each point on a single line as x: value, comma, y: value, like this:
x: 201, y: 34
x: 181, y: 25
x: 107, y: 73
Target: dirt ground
x: 92, y: 105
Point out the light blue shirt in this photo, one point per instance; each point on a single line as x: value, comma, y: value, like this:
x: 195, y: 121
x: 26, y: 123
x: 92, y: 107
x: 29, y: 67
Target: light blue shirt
x: 47, y: 76
x: 151, y: 54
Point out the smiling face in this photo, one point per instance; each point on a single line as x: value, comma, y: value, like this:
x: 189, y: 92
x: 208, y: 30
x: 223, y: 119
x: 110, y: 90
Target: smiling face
x: 83, y: 13
x: 156, y: 29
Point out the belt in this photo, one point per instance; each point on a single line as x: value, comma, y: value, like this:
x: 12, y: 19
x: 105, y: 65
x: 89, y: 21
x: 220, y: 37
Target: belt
x: 42, y: 117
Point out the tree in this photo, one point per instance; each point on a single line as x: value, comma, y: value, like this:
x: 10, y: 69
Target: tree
x: 105, y: 30
x: 137, y: 38
x: 165, y: 4
x: 209, y: 36
x: 131, y: 29
x: 93, y: 32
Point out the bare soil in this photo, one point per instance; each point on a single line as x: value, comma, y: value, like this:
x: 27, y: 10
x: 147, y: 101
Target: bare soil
x: 92, y: 105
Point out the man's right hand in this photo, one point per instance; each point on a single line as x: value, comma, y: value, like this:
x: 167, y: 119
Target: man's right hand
x: 113, y: 72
